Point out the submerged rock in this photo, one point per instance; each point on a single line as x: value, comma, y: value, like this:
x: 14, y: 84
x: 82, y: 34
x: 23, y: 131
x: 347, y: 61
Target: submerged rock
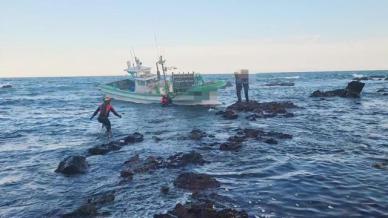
x: 164, y: 189
x: 280, y: 84
x: 196, y: 181
x: 235, y: 142
x: 230, y: 146
x: 380, y: 165
x: 197, y: 134
x: 89, y: 209
x: 352, y: 90
x: 201, y: 210
x: 86, y: 210
x: 137, y: 165
x: 6, y: 86
x: 72, y: 165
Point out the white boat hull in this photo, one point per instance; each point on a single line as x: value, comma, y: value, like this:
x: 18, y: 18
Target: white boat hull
x: 211, y: 98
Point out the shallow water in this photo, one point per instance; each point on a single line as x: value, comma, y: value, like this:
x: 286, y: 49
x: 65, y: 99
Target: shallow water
x: 325, y: 170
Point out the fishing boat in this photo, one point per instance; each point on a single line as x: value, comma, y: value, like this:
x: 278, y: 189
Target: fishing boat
x: 144, y: 87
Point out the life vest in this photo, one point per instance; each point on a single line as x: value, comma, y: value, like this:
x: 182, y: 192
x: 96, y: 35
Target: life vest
x: 105, y: 109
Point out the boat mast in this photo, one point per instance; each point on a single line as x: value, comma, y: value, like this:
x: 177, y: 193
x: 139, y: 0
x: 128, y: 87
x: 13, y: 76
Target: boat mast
x: 161, y: 62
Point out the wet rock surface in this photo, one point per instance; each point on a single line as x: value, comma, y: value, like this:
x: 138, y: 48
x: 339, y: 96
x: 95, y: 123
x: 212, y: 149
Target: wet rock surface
x: 196, y: 181
x: 380, y: 165
x: 258, y: 110
x: 116, y: 145
x: 197, y: 134
x: 6, y: 86
x: 375, y: 77
x: 72, y: 165
x: 235, y: 142
x: 91, y: 206
x: 353, y: 90
x: 137, y: 165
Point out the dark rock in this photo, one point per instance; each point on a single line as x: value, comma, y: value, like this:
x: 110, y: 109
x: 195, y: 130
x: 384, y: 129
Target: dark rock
x: 87, y: 210
x: 72, y: 165
x: 6, y: 86
x: 104, y: 148
x: 127, y: 174
x: 382, y: 90
x: 181, y: 159
x: 385, y: 94
x: 102, y: 199
x: 230, y: 146
x: 386, y: 78
x: 196, y: 181
x: 271, y: 141
x: 265, y: 107
x: 156, y: 138
x: 380, y: 165
x: 230, y: 115
x: 132, y: 138
x: 136, y: 165
x: 164, y: 189
x: 197, y: 134
x: 280, y: 84
x: 201, y: 210
x: 352, y: 90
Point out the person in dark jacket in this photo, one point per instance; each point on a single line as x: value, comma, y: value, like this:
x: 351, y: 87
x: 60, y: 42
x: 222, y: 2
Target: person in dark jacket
x: 104, y: 109
x: 242, y: 81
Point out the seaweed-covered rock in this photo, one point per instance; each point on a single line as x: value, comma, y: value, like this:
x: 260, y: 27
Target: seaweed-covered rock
x: 72, y: 165
x: 352, y: 90
x: 230, y: 115
x: 104, y: 148
x: 380, y: 165
x: 196, y: 181
x: 164, y: 189
x: 271, y: 141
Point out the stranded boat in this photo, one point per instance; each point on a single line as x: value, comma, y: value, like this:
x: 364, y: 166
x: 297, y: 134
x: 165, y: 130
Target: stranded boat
x: 144, y: 87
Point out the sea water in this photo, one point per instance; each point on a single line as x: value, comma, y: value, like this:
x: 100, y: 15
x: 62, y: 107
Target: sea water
x: 325, y: 170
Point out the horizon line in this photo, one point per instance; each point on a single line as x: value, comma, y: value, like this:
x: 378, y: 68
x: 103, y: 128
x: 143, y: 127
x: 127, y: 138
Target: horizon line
x: 266, y: 72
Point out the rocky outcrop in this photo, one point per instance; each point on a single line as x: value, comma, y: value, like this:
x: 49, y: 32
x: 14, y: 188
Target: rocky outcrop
x: 104, y: 148
x: 380, y: 165
x: 137, y: 165
x: 72, y: 165
x: 201, y: 210
x: 6, y: 86
x: 375, y: 77
x: 196, y: 181
x: 91, y: 206
x: 235, y: 142
x: 258, y: 110
x: 353, y: 90
x: 228, y: 114
x: 115, y: 145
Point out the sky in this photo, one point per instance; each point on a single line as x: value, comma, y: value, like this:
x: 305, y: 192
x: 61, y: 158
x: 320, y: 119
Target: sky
x: 97, y: 37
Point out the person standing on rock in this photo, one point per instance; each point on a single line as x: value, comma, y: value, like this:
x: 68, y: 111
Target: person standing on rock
x: 105, y: 108
x: 242, y: 81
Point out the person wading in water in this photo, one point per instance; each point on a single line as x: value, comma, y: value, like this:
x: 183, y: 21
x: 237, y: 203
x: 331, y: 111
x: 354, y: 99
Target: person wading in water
x: 103, y: 117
